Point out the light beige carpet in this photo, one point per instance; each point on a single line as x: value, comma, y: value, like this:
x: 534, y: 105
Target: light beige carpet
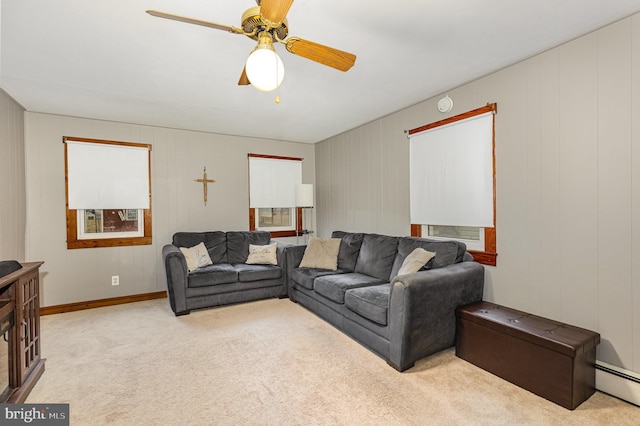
x: 269, y: 363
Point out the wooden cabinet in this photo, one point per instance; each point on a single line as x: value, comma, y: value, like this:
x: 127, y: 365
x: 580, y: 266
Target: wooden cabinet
x: 21, y: 293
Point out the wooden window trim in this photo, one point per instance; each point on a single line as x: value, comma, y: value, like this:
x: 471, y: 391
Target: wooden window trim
x: 72, y: 223
x: 490, y: 254
x: 252, y: 211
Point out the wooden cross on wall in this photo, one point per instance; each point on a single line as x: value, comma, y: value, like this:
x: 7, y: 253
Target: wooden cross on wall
x: 204, y: 182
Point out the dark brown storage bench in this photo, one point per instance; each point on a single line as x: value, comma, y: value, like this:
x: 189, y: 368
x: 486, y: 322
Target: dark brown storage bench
x: 553, y: 360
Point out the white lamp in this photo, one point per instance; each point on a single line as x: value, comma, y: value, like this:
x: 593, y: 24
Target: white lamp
x: 304, y: 195
x: 264, y: 67
x: 304, y: 199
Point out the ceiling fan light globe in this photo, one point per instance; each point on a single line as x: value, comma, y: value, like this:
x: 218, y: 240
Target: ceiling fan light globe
x: 265, y: 69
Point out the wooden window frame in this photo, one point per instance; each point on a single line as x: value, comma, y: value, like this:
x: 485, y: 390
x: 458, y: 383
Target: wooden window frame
x: 489, y: 255
x: 252, y: 211
x: 72, y: 214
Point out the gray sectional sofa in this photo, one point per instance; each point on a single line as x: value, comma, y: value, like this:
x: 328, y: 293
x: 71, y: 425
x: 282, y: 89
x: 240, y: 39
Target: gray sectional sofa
x: 229, y: 279
x: 402, y: 318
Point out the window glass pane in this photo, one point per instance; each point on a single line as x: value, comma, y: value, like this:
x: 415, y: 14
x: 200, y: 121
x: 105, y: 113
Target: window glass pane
x: 274, y: 217
x: 110, y: 223
x: 92, y: 221
x: 455, y: 232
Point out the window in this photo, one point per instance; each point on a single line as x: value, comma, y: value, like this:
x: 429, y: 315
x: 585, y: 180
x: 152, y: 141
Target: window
x: 272, y: 182
x: 452, y: 193
x: 99, y: 176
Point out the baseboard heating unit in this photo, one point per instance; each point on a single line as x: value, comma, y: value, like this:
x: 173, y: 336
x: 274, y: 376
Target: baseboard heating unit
x: 618, y: 382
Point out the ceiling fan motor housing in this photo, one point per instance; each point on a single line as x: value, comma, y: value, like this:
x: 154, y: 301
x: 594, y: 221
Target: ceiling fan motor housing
x: 253, y: 25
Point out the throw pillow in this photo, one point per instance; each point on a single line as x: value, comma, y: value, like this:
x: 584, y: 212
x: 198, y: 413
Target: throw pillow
x: 196, y: 256
x: 416, y: 260
x: 321, y: 253
x: 263, y: 255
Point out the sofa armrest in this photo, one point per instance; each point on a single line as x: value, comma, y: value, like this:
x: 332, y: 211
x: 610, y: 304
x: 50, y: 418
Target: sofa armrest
x: 281, y: 254
x: 293, y: 255
x: 175, y: 267
x: 422, y: 310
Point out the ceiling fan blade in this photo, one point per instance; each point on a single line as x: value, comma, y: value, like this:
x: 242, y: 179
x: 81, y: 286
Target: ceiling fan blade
x: 244, y: 80
x: 195, y: 21
x: 275, y: 10
x: 329, y: 56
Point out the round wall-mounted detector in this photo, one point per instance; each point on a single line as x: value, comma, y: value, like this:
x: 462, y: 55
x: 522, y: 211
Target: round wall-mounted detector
x: 445, y: 104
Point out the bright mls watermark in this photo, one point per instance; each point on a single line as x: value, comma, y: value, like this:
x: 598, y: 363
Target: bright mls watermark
x: 34, y: 414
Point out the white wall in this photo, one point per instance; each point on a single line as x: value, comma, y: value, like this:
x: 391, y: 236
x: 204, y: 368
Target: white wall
x: 568, y: 183
x: 178, y: 157
x: 12, y: 184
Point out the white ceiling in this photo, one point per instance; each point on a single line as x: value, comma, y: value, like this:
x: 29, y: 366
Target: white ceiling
x: 108, y: 59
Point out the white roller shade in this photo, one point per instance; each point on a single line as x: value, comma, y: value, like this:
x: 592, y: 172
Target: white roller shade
x: 273, y: 181
x: 451, y: 172
x: 102, y: 176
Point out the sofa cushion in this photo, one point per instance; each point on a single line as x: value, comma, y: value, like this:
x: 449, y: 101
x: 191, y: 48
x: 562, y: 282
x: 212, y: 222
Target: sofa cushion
x: 304, y: 276
x: 218, y: 273
x: 263, y: 255
x: 247, y: 273
x: 349, y: 248
x: 188, y: 239
x: 415, y: 261
x: 196, y: 256
x: 321, y: 253
x: 238, y: 244
x: 334, y: 286
x: 377, y: 255
x: 447, y: 252
x: 371, y: 302
x: 215, y: 242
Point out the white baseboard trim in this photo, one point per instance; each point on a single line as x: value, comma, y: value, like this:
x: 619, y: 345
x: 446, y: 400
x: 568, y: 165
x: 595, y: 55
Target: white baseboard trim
x: 616, y: 381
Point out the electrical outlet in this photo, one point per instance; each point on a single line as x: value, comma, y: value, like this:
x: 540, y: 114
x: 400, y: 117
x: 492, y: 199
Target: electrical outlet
x: 115, y: 280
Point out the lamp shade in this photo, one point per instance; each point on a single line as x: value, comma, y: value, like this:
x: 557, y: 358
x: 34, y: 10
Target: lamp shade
x: 265, y: 70
x: 304, y: 195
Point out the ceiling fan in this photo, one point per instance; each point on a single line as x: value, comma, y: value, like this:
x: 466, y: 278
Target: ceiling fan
x: 267, y: 23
